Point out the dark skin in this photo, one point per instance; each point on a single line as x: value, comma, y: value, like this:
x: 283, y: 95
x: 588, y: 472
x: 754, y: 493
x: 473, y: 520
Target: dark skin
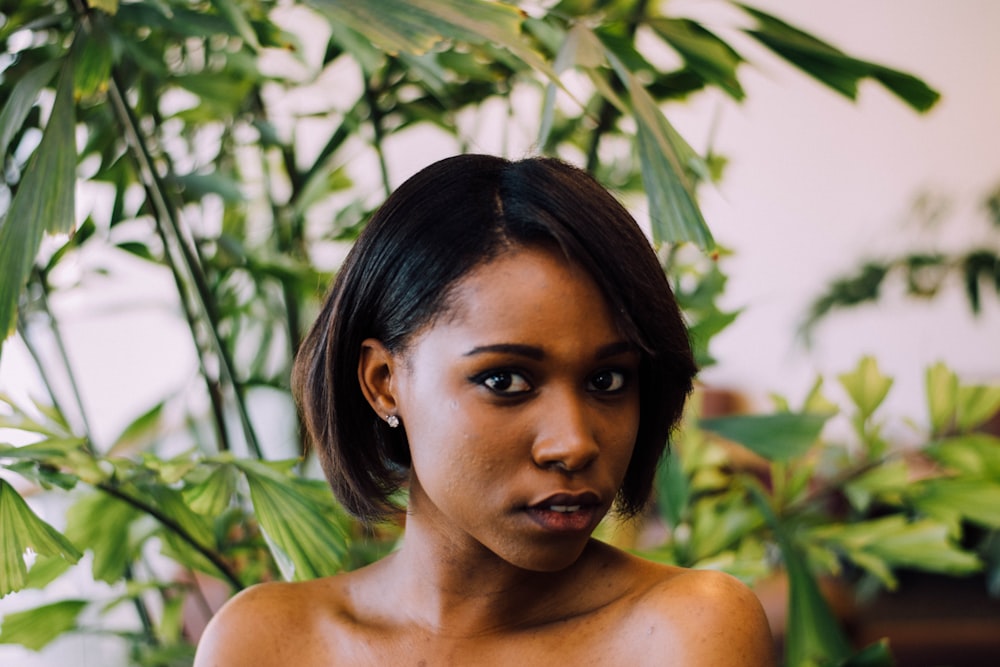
x: 521, y: 407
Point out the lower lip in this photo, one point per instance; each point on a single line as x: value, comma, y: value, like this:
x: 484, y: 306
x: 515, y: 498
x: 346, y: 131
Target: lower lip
x: 564, y: 522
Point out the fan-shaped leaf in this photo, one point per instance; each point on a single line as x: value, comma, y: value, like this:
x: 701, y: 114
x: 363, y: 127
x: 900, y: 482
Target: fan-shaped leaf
x: 21, y: 530
x: 305, y: 543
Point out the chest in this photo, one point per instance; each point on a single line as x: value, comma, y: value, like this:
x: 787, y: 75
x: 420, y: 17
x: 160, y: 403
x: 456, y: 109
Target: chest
x: 591, y: 641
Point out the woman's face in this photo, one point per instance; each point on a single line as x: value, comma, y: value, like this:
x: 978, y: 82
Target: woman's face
x: 521, y: 407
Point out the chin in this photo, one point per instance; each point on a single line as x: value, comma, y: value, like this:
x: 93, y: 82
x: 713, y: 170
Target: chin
x: 554, y: 558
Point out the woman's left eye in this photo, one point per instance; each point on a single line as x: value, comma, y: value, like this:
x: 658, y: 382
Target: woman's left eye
x: 607, y: 381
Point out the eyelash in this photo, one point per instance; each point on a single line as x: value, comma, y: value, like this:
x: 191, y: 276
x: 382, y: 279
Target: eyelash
x: 485, y: 378
x: 619, y: 381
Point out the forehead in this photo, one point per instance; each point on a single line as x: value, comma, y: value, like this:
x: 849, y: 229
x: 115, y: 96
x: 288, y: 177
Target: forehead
x: 532, y: 291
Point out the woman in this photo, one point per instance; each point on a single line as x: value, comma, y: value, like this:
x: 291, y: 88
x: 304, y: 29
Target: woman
x: 501, y: 342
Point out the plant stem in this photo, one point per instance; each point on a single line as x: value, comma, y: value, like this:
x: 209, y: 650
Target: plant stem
x: 43, y: 285
x: 142, y: 610
x: 169, y: 523
x: 165, y: 213
x: 375, y: 113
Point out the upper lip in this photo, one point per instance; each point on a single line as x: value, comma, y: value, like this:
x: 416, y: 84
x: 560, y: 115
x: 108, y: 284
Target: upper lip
x: 584, y: 498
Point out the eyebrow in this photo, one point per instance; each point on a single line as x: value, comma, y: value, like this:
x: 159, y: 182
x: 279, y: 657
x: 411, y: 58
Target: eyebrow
x: 537, y: 353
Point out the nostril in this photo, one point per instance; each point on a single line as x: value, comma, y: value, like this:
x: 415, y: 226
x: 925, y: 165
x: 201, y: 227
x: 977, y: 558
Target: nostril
x: 565, y: 457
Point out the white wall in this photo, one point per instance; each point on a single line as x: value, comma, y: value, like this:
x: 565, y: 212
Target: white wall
x: 817, y: 183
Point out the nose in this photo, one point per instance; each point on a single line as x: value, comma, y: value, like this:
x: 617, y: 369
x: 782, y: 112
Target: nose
x: 565, y: 437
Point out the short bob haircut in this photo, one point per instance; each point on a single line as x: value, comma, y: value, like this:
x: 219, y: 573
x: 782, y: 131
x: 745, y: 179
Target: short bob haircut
x: 442, y: 223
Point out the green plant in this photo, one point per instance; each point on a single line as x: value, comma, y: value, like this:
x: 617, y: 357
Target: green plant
x: 174, y: 114
x: 858, y: 510
x: 925, y: 273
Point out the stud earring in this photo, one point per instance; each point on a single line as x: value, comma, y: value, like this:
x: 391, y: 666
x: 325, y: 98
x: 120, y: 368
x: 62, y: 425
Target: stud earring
x: 392, y: 421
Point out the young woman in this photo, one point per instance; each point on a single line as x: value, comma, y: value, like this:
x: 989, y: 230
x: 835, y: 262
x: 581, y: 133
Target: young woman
x: 502, y: 343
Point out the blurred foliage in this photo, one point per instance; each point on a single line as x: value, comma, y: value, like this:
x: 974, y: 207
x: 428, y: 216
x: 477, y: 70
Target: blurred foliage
x: 923, y: 273
x: 235, y: 147
x: 755, y: 495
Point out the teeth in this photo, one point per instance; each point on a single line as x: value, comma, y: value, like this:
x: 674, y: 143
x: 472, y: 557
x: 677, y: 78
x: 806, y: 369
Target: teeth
x: 564, y: 508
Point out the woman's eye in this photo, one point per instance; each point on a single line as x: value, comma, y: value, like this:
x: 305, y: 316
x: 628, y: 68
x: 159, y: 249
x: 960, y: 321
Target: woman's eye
x: 607, y: 381
x: 506, y: 382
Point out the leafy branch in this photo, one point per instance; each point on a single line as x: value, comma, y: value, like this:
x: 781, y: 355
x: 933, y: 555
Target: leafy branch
x: 924, y: 275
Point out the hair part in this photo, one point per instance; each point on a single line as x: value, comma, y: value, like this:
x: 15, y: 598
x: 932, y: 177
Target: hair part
x: 446, y: 220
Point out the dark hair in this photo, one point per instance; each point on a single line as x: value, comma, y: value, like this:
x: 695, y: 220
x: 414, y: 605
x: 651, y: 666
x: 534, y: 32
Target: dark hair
x: 446, y: 220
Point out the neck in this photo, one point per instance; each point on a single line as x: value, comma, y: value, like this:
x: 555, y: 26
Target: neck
x: 472, y: 592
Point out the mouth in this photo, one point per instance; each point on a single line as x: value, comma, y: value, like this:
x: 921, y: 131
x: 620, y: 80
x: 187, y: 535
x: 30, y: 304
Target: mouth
x: 562, y: 509
x: 565, y: 512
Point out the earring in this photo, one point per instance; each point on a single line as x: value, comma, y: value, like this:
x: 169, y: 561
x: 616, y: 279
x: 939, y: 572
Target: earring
x: 392, y: 421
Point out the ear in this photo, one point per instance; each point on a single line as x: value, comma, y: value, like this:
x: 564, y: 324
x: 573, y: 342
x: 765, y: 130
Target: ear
x: 375, y: 374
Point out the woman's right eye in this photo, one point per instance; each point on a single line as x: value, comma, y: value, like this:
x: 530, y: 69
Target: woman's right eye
x: 505, y: 382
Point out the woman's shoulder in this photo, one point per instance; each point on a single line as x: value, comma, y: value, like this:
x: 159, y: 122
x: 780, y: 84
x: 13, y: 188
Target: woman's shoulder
x: 271, y: 624
x: 705, y: 617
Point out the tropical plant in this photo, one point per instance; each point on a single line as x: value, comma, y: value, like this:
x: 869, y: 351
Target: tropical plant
x: 858, y: 509
x: 229, y: 145
x: 924, y: 271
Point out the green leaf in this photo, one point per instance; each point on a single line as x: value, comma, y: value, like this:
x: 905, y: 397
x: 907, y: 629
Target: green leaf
x: 886, y: 482
x: 106, y: 6
x: 44, y: 201
x: 817, y: 58
x: 719, y: 524
x: 667, y: 164
x: 975, y: 405
x: 923, y: 544
x: 46, y: 476
x: 816, y: 402
x: 907, y: 87
x: 219, y: 95
x: 832, y: 67
x: 866, y: 386
x: 712, y: 58
x: 942, y: 396
x: 778, y: 437
x: 239, y: 21
x: 21, y: 530
x: 169, y: 471
x: 367, y: 56
x: 417, y: 26
x: 304, y: 542
x: 813, y: 636
x: 952, y: 500
x: 212, y: 494
x: 92, y: 60
x: 144, y: 428
x: 975, y: 455
x: 23, y: 96
x: 171, y: 503
x: 875, y: 655
x: 102, y: 523
x: 581, y: 48
x: 45, y: 570
x: 44, y: 450
x: 35, y: 628
x: 672, y: 489
x: 704, y: 330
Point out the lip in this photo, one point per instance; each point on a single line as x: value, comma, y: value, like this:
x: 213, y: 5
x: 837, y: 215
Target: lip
x: 567, y: 512
x: 567, y: 498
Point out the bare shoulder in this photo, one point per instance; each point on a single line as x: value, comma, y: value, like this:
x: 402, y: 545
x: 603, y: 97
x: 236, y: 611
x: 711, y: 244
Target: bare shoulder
x: 704, y: 618
x: 269, y: 624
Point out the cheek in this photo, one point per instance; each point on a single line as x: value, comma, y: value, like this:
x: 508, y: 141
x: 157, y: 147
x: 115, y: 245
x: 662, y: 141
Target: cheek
x: 622, y: 433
